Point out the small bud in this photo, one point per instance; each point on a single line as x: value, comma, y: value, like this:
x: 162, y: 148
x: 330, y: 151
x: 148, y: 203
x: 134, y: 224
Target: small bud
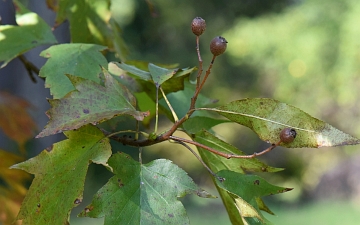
x: 287, y: 135
x: 218, y: 45
x: 198, y: 26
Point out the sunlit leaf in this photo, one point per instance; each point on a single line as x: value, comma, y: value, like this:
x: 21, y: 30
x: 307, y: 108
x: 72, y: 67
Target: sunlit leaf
x: 15, y: 122
x: 229, y: 203
x: 90, y: 103
x: 267, y: 117
x: 12, y: 187
x: 247, y: 210
x: 82, y: 60
x: 143, y: 194
x: 263, y: 206
x: 32, y: 31
x: 60, y: 176
x: 89, y: 20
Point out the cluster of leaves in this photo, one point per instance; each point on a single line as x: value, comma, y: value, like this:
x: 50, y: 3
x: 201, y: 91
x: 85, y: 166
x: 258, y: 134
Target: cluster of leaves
x: 88, y: 90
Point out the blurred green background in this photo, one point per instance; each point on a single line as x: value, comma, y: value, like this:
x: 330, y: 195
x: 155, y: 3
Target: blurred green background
x: 304, y: 53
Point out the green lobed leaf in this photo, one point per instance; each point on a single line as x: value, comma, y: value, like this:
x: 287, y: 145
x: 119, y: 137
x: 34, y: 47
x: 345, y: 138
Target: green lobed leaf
x: 90, y: 103
x: 217, y: 163
x: 174, y: 82
x: 60, y: 176
x: 32, y: 31
x: 82, y: 60
x: 159, y: 74
x: 267, y: 117
x: 247, y: 188
x: 143, y: 194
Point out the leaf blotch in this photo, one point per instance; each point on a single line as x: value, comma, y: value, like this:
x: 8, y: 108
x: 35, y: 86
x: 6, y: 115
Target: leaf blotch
x: 171, y: 215
x: 120, y: 183
x: 89, y: 209
x: 86, y: 111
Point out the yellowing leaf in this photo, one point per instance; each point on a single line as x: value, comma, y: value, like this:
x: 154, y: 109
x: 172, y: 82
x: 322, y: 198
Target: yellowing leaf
x: 90, y: 103
x: 15, y: 122
x: 246, y: 210
x: 12, y: 190
x: 60, y: 176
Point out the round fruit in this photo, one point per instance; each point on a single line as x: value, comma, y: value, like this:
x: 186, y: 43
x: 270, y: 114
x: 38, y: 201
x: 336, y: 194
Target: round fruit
x: 198, y: 26
x: 287, y: 135
x: 218, y: 45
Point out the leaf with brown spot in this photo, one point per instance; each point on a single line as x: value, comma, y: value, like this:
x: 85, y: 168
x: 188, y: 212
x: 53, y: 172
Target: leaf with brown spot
x: 90, y: 103
x: 60, y: 176
x: 248, y: 189
x: 267, y: 117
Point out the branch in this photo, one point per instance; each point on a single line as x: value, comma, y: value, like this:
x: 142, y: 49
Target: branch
x: 30, y: 67
x: 225, y: 155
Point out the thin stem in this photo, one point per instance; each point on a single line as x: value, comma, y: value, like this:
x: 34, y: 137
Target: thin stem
x: 156, y: 110
x: 125, y: 131
x: 30, y: 67
x: 199, y: 87
x: 200, y: 159
x: 225, y: 155
x: 207, y: 73
x: 137, y: 130
x: 140, y: 155
x: 169, y: 105
x: 262, y: 152
x: 200, y: 62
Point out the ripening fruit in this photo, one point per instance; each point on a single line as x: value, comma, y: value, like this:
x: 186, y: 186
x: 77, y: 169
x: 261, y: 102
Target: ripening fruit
x: 287, y: 135
x: 198, y: 26
x: 218, y: 45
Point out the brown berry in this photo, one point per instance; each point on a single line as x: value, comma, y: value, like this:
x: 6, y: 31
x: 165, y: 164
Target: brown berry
x: 218, y: 45
x: 198, y: 26
x: 287, y: 135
